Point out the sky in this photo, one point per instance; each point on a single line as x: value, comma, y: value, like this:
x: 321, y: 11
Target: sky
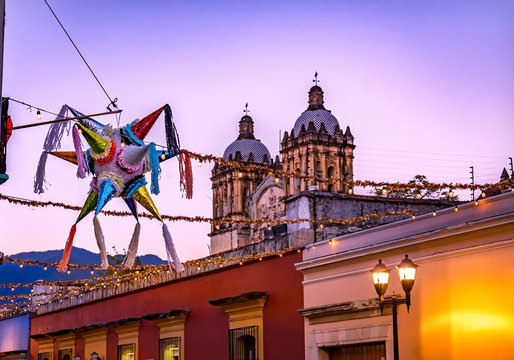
x: 425, y: 86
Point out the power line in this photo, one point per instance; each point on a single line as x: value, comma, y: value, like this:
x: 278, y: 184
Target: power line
x: 112, y: 102
x: 432, y: 153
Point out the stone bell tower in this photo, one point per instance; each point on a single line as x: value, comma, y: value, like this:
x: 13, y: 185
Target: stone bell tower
x: 233, y: 187
x: 317, y: 146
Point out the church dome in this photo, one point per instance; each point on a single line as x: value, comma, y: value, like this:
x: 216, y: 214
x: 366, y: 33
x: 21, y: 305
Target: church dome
x: 246, y: 147
x: 318, y: 117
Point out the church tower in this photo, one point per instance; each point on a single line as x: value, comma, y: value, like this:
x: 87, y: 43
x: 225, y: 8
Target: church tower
x: 317, y: 146
x: 232, y: 188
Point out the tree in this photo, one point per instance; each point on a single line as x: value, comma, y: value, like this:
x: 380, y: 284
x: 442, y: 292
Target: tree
x: 417, y: 191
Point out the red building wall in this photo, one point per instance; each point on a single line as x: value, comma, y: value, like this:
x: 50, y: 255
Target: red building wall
x: 206, y: 329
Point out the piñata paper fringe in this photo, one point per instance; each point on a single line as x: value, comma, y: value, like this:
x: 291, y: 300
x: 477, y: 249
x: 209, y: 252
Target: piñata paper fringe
x: 40, y: 177
x: 100, y: 241
x: 186, y: 175
x: 173, y: 260
x: 155, y: 167
x: 172, y: 139
x: 130, y: 258
x: 56, y: 131
x: 52, y: 143
x: 81, y: 163
x: 63, y: 264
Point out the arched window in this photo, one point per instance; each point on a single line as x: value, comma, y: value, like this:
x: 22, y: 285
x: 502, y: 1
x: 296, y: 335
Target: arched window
x: 246, y: 345
x: 297, y: 182
x: 330, y: 175
x: 243, y: 343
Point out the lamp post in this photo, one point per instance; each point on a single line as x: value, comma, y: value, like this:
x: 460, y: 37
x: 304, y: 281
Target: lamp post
x: 380, y: 275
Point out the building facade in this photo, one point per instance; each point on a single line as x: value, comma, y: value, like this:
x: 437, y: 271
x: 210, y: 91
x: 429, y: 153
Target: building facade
x: 461, y: 300
x: 229, y: 312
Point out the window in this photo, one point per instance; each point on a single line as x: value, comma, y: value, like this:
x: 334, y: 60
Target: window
x: 65, y: 354
x: 369, y: 351
x: 243, y: 343
x: 44, y: 356
x: 127, y: 352
x: 169, y: 348
x: 331, y: 175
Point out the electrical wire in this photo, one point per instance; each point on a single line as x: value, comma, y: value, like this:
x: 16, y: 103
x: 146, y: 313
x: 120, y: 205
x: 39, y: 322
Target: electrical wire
x: 112, y: 102
x: 32, y: 106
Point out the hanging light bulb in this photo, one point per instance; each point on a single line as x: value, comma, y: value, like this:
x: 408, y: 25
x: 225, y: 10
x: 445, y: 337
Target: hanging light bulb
x: 450, y: 193
x: 418, y: 195
x: 456, y: 209
x: 350, y: 190
x: 384, y: 190
x: 433, y: 213
x: 38, y: 114
x: 483, y: 193
x: 163, y: 156
x: 277, y: 179
x: 200, y: 163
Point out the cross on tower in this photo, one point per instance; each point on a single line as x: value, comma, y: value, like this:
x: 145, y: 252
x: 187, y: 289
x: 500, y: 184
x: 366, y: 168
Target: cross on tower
x: 315, y: 78
x: 246, y: 109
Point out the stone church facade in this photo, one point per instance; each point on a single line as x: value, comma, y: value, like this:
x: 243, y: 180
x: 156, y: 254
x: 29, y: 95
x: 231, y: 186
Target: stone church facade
x: 315, y: 146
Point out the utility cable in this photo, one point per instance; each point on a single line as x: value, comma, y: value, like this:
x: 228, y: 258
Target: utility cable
x: 112, y: 102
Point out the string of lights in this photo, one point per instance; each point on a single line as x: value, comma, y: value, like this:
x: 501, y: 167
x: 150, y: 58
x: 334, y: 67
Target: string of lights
x: 214, y: 221
x: 39, y: 109
x: 146, y: 270
x: 201, y: 158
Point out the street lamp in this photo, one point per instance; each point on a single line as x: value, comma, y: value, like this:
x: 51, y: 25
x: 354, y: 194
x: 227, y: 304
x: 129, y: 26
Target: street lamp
x: 407, y: 274
x: 380, y: 275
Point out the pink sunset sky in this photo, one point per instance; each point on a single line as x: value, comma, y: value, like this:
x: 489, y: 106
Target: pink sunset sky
x: 425, y: 86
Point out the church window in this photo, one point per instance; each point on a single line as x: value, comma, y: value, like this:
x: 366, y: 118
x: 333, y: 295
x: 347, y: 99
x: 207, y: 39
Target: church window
x: 297, y: 182
x: 331, y: 174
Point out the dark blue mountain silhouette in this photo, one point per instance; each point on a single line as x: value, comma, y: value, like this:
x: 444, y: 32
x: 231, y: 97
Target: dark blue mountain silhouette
x: 11, y: 273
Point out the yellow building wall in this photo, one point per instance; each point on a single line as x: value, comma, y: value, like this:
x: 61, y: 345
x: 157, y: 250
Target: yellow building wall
x: 462, y: 301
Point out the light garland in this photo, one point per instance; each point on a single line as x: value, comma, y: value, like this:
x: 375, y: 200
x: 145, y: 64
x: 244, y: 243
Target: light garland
x: 193, y: 263
x: 214, y: 221
x: 72, y: 292
x: 503, y: 185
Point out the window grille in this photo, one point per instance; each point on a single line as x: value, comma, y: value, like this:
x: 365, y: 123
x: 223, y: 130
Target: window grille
x: 169, y: 349
x: 243, y: 344
x: 127, y: 352
x: 65, y: 354
x: 44, y: 356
